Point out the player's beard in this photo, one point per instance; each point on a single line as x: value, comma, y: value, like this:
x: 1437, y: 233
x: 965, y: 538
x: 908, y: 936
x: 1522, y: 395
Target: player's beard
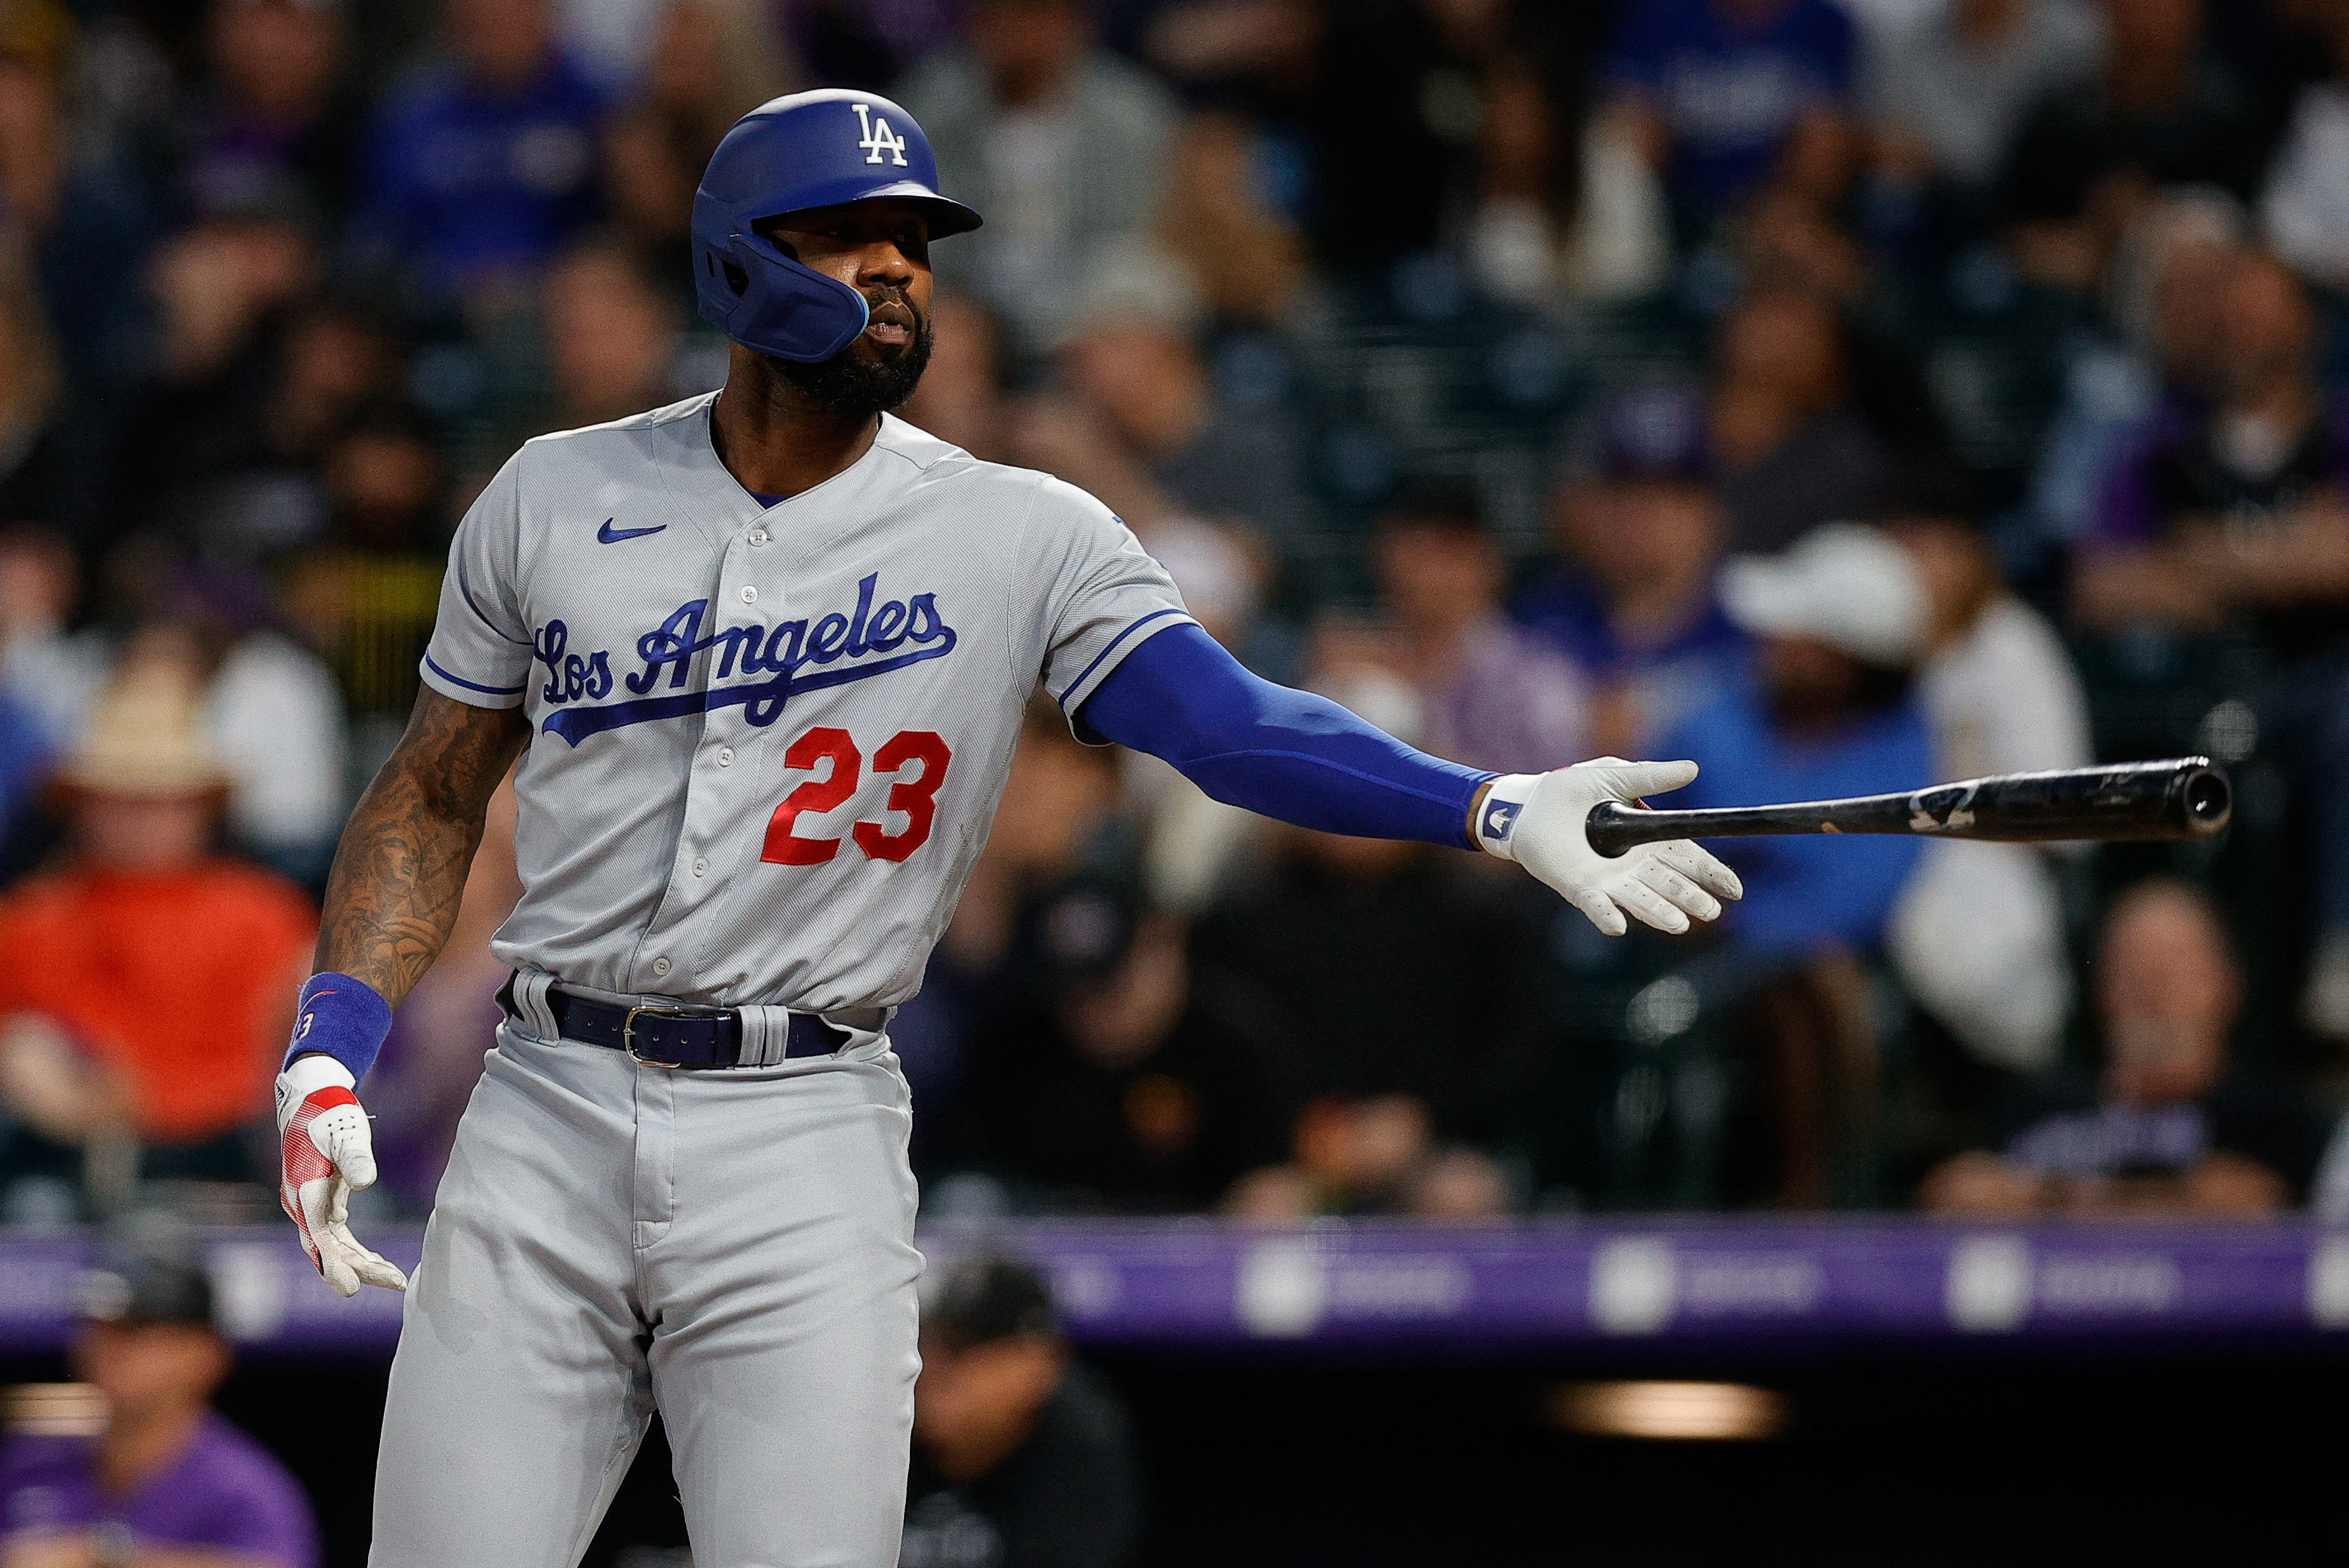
x: 855, y: 388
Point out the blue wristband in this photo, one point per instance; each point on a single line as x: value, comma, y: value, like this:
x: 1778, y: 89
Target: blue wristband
x: 341, y: 1016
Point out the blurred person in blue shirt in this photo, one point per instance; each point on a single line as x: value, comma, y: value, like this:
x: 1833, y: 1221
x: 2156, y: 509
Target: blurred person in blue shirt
x: 484, y: 162
x: 1714, y: 88
x: 1825, y: 709
x: 1631, y: 599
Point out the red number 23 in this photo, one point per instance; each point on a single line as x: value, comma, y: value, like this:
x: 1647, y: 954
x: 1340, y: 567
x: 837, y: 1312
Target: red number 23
x: 917, y: 797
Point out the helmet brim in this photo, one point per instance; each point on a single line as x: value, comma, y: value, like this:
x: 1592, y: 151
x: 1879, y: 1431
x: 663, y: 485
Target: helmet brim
x: 947, y: 216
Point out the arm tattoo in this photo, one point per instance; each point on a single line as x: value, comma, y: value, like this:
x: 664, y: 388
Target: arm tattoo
x: 405, y: 854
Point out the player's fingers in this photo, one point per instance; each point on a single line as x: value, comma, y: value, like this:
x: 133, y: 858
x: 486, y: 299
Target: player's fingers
x: 1651, y: 906
x: 1600, y: 910
x: 357, y: 1164
x: 382, y: 1271
x: 347, y: 1138
x: 371, y: 1267
x: 334, y: 1264
x: 1682, y: 893
x: 1701, y: 867
x: 1643, y: 778
x: 347, y: 1264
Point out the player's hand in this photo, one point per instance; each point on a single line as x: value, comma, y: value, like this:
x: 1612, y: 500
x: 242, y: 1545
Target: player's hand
x: 1536, y: 819
x: 328, y: 1149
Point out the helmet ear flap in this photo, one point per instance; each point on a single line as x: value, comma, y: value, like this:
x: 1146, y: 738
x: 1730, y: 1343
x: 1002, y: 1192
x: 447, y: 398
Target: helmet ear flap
x: 766, y: 301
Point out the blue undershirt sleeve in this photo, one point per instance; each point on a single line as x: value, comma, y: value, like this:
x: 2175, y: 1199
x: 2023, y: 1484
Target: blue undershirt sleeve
x: 1285, y: 754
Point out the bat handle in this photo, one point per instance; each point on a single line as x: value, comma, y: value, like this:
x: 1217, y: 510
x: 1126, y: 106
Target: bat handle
x: 1613, y: 828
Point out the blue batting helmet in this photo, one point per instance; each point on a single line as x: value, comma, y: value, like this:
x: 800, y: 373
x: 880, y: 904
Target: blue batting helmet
x: 809, y: 149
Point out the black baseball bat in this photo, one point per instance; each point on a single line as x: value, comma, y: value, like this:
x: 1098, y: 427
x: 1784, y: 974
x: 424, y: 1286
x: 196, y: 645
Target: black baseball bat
x: 2183, y: 798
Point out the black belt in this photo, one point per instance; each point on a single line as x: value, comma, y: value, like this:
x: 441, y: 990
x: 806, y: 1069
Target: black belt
x: 673, y: 1035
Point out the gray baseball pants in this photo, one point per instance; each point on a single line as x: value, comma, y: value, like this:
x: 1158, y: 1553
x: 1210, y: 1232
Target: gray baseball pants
x: 732, y: 1247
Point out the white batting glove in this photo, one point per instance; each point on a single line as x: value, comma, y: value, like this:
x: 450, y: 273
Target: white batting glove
x: 1535, y: 820
x: 328, y: 1150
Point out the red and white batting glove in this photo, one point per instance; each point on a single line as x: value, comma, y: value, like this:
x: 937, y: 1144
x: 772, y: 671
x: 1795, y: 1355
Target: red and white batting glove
x: 328, y: 1149
x: 1536, y: 819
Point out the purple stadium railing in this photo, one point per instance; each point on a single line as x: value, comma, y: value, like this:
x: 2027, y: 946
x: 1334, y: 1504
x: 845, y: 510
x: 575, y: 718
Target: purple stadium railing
x: 1620, y: 1283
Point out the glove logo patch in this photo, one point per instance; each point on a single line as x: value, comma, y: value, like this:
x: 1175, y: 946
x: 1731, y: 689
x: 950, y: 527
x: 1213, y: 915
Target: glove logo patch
x: 1500, y: 817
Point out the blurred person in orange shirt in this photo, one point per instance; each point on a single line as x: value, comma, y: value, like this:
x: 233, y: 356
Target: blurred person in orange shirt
x: 145, y: 983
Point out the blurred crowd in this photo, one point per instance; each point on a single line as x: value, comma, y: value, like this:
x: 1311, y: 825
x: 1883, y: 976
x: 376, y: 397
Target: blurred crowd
x: 1846, y: 394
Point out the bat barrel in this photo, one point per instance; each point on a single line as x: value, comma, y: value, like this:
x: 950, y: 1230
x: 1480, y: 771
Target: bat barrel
x: 2179, y: 799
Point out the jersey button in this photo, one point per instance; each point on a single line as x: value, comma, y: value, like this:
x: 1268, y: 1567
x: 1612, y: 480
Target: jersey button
x: 750, y: 594
x: 725, y: 757
x: 660, y: 967
x: 757, y: 536
x: 700, y: 867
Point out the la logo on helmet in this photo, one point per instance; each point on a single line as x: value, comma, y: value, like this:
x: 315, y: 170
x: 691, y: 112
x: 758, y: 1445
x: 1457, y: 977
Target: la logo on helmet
x: 878, y: 137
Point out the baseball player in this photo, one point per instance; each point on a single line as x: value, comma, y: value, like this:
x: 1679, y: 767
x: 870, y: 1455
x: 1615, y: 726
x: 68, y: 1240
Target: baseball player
x: 763, y: 655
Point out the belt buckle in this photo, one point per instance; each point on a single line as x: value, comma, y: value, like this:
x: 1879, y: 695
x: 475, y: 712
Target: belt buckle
x: 628, y: 1031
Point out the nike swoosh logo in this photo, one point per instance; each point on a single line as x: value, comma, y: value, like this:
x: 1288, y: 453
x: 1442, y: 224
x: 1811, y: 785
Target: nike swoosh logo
x: 608, y: 534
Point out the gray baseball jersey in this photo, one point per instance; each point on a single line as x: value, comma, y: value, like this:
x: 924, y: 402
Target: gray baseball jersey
x: 769, y: 741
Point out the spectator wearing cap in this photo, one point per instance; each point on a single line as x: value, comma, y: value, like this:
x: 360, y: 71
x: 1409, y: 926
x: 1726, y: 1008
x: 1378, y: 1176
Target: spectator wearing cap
x: 484, y: 162
x: 1827, y: 710
x: 1978, y: 937
x: 166, y: 1482
x: 1631, y: 601
x: 1109, y: 1086
x: 2167, y: 1126
x: 272, y: 720
x: 1061, y: 144
x: 1022, y: 1458
x: 146, y: 987
x: 271, y: 711
x: 1495, y: 695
